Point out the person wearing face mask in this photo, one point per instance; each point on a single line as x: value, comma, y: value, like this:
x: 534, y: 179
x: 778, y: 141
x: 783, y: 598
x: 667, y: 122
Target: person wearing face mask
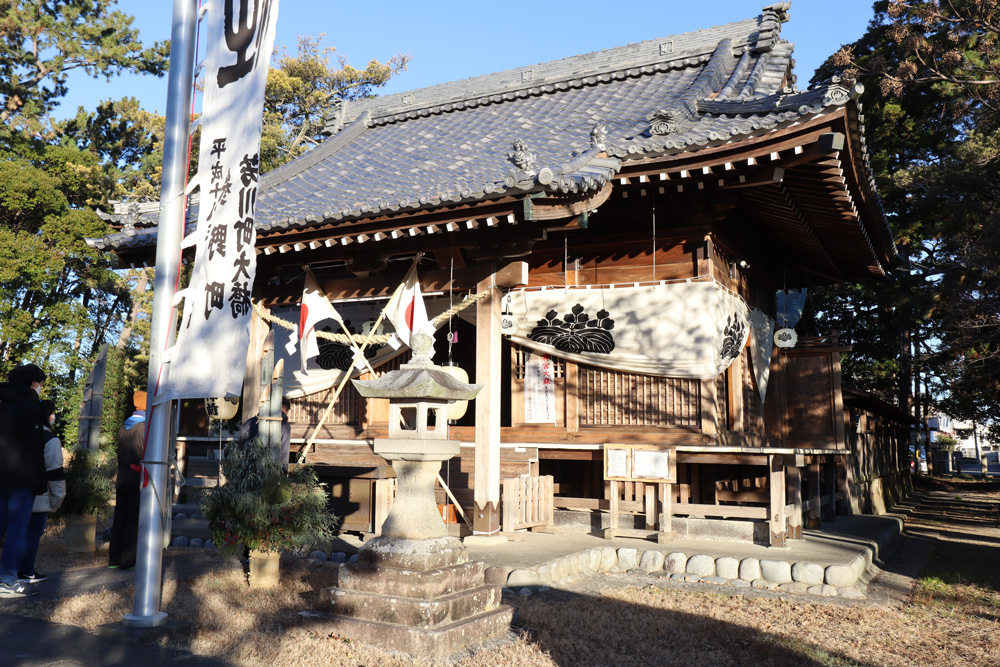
x: 47, y: 502
x: 22, y: 468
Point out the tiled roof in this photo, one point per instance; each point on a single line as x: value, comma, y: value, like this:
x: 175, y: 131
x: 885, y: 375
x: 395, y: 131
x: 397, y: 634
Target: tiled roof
x: 565, y: 127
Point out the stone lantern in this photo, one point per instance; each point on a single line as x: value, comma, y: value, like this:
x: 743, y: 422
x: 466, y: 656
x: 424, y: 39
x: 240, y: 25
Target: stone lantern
x: 419, y: 394
x: 413, y: 588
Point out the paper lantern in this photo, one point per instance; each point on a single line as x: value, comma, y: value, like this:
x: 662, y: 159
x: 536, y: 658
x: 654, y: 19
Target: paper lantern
x: 222, y: 409
x: 508, y: 324
x: 457, y: 409
x: 785, y: 338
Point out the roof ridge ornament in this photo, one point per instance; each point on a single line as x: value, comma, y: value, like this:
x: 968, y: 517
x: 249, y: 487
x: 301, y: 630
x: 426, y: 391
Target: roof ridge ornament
x: 599, y: 137
x: 334, y: 117
x: 129, y: 217
x: 524, y: 165
x: 771, y: 19
x: 521, y: 157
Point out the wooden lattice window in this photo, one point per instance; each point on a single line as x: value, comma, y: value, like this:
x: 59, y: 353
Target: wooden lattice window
x: 611, y: 398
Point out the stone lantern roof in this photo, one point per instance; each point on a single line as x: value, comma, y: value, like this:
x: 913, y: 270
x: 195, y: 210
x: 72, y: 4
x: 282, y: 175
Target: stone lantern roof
x: 419, y: 379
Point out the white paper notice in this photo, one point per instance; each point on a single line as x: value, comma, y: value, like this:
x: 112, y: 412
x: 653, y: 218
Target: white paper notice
x: 539, y: 390
x: 617, y: 462
x: 650, y: 464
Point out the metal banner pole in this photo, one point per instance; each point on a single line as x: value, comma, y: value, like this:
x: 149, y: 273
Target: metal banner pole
x: 170, y: 232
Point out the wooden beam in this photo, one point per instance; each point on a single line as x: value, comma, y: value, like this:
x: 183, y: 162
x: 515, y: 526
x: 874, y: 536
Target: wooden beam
x: 514, y: 274
x: 723, y: 459
x: 486, y: 515
x: 724, y: 511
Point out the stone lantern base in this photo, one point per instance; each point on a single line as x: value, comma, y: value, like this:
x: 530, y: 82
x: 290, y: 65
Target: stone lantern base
x: 422, y: 597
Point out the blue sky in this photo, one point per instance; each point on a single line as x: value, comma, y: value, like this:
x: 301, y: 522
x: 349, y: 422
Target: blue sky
x: 456, y: 39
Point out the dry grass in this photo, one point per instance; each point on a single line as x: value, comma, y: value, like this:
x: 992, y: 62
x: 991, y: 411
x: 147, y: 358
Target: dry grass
x: 951, y: 621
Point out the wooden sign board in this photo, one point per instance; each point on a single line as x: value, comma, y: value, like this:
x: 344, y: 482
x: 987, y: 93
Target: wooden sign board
x: 640, y: 463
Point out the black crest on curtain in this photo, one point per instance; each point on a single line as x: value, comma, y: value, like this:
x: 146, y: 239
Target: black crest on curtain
x: 576, y: 331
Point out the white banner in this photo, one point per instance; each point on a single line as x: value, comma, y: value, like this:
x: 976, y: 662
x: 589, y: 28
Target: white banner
x: 761, y: 345
x: 210, y: 354
x: 690, y: 329
x: 539, y: 390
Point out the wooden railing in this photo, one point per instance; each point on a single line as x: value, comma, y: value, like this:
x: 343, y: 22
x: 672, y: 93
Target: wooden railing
x: 527, y: 502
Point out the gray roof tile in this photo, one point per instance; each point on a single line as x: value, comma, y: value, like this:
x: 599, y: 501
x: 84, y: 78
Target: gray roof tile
x: 452, y: 142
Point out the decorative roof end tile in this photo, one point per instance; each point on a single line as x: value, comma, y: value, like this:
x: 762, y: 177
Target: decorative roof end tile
x: 664, y: 121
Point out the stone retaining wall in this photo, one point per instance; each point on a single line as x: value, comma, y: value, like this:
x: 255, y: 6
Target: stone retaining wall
x: 847, y: 581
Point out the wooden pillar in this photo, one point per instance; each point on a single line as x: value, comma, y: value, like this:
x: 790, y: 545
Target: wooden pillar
x: 794, y: 479
x: 571, y: 399
x: 830, y: 476
x: 251, y: 373
x: 486, y: 478
x: 613, y: 492
x: 813, y: 516
x: 668, y: 508
x: 650, y: 505
x: 845, y: 487
x: 777, y: 487
x: 735, y: 399
x: 709, y: 399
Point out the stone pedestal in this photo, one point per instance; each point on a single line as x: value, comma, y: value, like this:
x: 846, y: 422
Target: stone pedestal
x: 422, y: 597
x: 413, y: 589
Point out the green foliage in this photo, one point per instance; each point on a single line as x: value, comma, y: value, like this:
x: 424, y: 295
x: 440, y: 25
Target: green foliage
x: 90, y: 484
x: 945, y: 442
x: 932, y: 77
x: 301, y: 93
x: 43, y: 40
x: 259, y: 508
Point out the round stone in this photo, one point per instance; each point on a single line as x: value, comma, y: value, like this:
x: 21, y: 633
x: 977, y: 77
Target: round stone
x: 701, y: 565
x: 338, y: 557
x: 652, y: 561
x: 196, y: 542
x: 523, y: 577
x: 809, y: 574
x: 180, y: 541
x: 609, y: 558
x: 840, y: 576
x: 675, y: 563
x: 727, y: 567
x: 750, y: 569
x: 628, y: 558
x: 778, y: 571
x: 317, y: 555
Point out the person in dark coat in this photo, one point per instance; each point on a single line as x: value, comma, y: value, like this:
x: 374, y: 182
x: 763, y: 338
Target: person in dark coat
x: 55, y: 477
x: 251, y: 430
x: 22, y: 468
x: 125, y: 524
